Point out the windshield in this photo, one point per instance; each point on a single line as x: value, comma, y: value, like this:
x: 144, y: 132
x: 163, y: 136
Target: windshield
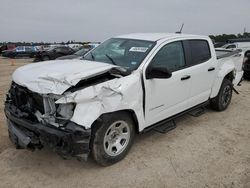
x: 128, y: 53
x: 82, y: 51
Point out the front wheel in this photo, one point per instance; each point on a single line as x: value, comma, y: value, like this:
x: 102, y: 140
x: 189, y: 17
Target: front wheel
x: 113, y: 138
x: 223, y: 99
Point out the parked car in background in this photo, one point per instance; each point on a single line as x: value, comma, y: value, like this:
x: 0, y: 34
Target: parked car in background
x: 237, y: 45
x: 75, y: 47
x: 127, y: 85
x: 77, y: 54
x: 219, y: 44
x: 94, y: 44
x: 7, y: 47
x: 21, y: 51
x: 50, y: 46
x: 53, y: 53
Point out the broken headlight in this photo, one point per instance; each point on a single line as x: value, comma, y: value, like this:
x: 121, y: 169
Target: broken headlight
x: 65, y: 111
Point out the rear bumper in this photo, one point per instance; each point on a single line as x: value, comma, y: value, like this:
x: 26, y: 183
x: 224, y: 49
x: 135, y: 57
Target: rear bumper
x: 70, y: 141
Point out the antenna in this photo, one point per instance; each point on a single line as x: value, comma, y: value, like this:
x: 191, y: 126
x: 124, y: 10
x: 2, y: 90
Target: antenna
x: 179, y: 32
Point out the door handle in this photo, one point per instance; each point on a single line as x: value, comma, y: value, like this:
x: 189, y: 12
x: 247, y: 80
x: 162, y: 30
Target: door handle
x: 186, y: 77
x: 211, y: 69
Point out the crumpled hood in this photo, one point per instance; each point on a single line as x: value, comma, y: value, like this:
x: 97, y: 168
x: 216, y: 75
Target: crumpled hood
x: 57, y: 76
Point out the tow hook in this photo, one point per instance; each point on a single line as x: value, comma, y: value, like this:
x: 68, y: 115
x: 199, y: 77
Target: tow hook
x: 236, y: 91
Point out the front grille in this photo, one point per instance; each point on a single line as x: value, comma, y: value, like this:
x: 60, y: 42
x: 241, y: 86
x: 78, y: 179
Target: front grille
x: 25, y: 100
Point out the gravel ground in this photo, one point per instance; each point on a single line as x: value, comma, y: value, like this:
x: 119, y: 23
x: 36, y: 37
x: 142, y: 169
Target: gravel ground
x: 212, y: 150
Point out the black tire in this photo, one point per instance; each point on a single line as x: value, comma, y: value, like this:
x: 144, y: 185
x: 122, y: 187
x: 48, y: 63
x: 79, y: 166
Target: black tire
x: 223, y: 99
x: 246, y: 75
x: 101, y: 129
x: 45, y: 58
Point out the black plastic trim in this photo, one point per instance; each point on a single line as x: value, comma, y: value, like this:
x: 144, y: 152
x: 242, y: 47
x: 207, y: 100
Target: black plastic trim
x: 149, y: 128
x: 143, y: 95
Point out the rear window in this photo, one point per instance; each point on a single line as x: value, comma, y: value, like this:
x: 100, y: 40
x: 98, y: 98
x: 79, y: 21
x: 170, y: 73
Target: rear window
x: 200, y: 51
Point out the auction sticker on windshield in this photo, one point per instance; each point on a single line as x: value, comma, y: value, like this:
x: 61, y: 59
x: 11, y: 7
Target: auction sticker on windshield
x: 138, y: 49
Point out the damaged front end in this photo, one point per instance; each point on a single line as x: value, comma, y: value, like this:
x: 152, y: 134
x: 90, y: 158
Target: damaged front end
x: 36, y: 121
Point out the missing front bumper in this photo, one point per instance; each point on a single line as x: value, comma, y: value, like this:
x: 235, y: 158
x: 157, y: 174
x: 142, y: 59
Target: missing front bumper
x: 71, y: 140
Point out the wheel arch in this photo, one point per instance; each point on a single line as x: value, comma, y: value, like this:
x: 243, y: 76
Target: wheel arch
x: 230, y: 76
x: 130, y: 112
x: 217, y: 84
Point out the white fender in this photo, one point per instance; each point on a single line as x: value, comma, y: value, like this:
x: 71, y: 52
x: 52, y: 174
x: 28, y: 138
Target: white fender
x: 225, y: 69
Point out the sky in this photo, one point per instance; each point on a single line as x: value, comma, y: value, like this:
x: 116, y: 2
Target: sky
x: 97, y: 20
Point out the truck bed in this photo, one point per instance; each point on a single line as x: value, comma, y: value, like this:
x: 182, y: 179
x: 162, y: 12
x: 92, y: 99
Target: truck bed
x: 236, y: 56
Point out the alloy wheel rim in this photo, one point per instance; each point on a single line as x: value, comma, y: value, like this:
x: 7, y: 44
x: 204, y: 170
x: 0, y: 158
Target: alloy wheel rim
x: 116, y: 138
x: 226, y: 95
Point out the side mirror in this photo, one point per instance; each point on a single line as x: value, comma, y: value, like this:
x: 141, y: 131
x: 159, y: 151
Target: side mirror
x: 158, y: 72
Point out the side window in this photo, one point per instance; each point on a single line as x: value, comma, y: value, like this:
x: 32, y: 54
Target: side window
x: 28, y: 49
x: 170, y: 56
x: 200, y: 51
x: 20, y: 48
x: 231, y: 46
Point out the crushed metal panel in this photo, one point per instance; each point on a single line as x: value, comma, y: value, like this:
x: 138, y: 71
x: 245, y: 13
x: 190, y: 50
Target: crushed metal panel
x: 57, y: 76
x: 113, y: 95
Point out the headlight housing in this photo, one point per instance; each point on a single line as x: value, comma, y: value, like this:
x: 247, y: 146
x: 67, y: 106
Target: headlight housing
x: 65, y: 111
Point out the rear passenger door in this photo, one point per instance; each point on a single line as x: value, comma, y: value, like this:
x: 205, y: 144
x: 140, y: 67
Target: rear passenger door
x: 203, y: 69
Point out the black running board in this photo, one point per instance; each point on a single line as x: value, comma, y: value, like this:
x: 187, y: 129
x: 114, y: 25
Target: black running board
x: 169, y: 123
x: 165, y: 127
x: 197, y: 112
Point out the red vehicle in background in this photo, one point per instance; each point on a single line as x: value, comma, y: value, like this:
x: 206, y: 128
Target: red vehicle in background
x: 7, y: 47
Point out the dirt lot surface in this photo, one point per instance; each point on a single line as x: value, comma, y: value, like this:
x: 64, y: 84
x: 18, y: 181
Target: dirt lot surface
x: 212, y: 150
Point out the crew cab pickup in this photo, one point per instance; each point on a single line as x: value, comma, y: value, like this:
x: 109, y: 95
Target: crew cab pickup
x: 127, y: 85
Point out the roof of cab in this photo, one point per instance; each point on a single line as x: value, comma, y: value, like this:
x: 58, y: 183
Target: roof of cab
x: 156, y: 36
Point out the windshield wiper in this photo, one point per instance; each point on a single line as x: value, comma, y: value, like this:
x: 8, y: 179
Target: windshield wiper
x: 111, y: 59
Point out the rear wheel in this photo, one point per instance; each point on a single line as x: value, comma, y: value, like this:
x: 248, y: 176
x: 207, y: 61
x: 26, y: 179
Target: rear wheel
x: 223, y: 99
x: 113, y: 138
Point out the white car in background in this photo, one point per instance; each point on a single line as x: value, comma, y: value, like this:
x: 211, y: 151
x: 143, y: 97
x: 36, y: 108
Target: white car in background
x: 75, y: 46
x: 237, y: 45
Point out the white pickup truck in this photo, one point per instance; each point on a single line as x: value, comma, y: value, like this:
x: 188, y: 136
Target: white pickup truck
x: 129, y: 84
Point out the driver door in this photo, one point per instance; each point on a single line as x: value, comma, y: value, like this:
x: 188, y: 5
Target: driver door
x: 167, y: 97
